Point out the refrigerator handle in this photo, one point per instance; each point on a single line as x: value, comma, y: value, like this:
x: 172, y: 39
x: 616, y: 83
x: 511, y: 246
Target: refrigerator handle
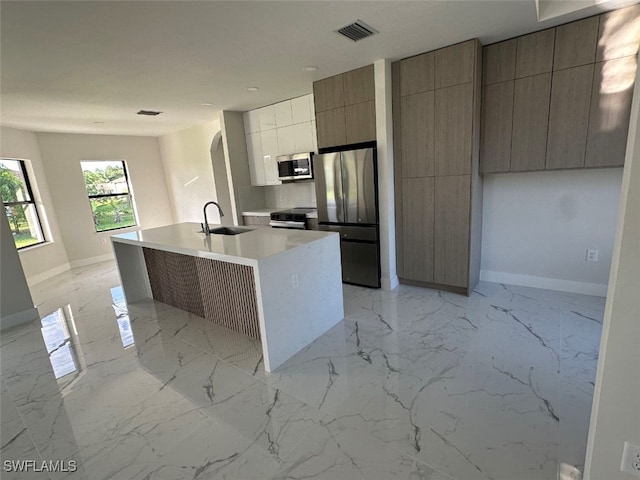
x: 339, y: 189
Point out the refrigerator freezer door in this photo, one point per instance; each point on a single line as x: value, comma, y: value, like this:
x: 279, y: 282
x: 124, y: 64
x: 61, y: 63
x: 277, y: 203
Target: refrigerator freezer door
x: 329, y: 199
x: 360, y: 263
x: 359, y: 186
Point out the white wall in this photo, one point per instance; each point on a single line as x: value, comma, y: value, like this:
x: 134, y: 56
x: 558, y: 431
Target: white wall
x: 537, y: 227
x: 289, y: 195
x: 615, y: 415
x: 61, y: 156
x: 186, y: 156
x: 45, y: 260
x: 386, y: 191
x: 16, y: 305
x: 244, y: 196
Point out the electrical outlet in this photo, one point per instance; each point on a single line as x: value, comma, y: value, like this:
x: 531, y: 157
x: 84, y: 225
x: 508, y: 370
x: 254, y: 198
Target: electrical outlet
x: 592, y: 255
x: 295, y: 281
x: 631, y: 459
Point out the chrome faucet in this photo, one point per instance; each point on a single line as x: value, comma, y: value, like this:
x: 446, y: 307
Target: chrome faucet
x: 205, y: 225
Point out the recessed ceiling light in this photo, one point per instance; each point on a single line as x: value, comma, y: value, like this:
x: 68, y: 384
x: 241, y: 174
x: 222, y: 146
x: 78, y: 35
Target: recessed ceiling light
x: 310, y: 68
x: 207, y: 104
x: 253, y: 89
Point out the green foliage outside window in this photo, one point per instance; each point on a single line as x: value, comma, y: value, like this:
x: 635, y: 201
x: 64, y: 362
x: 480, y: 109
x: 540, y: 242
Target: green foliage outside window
x: 109, y: 195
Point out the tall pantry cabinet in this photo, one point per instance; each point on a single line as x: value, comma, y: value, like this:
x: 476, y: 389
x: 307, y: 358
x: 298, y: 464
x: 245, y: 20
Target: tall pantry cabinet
x: 436, y: 113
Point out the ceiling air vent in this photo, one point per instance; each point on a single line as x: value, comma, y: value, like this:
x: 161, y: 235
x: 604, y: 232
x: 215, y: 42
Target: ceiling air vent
x: 150, y: 113
x: 357, y: 31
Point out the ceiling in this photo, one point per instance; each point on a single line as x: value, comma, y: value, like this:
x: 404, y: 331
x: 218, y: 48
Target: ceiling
x: 67, y: 65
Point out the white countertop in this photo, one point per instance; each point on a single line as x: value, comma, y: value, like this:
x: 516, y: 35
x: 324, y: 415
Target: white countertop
x: 265, y: 212
x: 246, y: 248
x: 261, y: 212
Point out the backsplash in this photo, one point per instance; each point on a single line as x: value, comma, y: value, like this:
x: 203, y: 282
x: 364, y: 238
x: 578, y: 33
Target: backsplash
x: 291, y: 195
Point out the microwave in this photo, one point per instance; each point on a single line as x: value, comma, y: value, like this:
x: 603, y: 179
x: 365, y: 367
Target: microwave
x: 295, y: 167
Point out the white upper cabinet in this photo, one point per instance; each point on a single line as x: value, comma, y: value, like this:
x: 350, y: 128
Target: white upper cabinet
x: 301, y: 109
x: 284, y: 128
x: 283, y: 114
x: 267, y: 118
x: 286, y: 143
x: 254, y: 150
x: 302, y: 137
x: 270, y: 151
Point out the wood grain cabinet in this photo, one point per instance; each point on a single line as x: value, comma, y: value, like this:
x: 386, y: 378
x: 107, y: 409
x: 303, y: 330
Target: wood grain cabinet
x: 576, y: 43
x: 436, y: 113
x: 569, y: 117
x: 451, y: 229
x: 417, y: 249
x: 613, y: 83
x: 418, y: 127
x: 531, y: 99
x: 535, y: 53
x: 495, y: 126
x: 499, y: 62
x: 571, y: 97
x: 453, y: 124
x: 345, y: 108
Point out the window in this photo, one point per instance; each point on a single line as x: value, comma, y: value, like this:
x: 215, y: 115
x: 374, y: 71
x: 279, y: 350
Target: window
x: 109, y: 194
x: 19, y: 203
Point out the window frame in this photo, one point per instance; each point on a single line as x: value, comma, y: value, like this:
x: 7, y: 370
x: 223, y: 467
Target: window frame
x: 107, y: 195
x: 27, y: 184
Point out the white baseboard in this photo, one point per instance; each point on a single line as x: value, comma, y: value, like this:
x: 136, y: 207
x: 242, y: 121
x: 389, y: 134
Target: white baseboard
x: 41, y: 277
x: 19, y: 318
x: 389, y: 283
x: 91, y: 260
x: 569, y: 286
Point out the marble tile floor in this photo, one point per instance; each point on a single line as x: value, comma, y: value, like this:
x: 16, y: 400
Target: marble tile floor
x: 413, y: 384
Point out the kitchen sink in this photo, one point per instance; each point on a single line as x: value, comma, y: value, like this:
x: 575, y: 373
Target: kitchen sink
x: 229, y: 230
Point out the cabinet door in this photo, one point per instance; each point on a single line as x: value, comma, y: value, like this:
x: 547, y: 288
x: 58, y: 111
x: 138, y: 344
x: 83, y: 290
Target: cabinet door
x: 495, y: 127
x: 267, y: 118
x: 256, y: 163
x: 328, y: 94
x: 360, y: 122
x: 610, y: 111
x: 530, y: 122
x: 331, y: 128
x: 569, y: 117
x: 302, y: 137
x: 417, y: 127
x: 499, y: 62
x: 576, y: 43
x: 619, y: 34
x: 359, y: 85
x: 283, y: 114
x: 302, y: 109
x: 454, y: 64
x: 269, y: 141
x: 453, y: 128
x: 286, y: 145
x: 535, y: 53
x: 418, y: 199
x: 417, y: 74
x: 451, y: 230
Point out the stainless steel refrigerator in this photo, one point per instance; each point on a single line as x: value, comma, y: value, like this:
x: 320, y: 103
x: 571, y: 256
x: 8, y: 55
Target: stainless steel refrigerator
x: 347, y: 198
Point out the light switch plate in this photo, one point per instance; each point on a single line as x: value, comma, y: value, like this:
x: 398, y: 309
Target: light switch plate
x: 592, y: 255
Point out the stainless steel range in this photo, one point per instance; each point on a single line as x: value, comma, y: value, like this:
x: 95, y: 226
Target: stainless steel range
x: 295, y: 218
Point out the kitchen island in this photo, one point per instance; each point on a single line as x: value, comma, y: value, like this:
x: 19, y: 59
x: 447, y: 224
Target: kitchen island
x: 281, y: 286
